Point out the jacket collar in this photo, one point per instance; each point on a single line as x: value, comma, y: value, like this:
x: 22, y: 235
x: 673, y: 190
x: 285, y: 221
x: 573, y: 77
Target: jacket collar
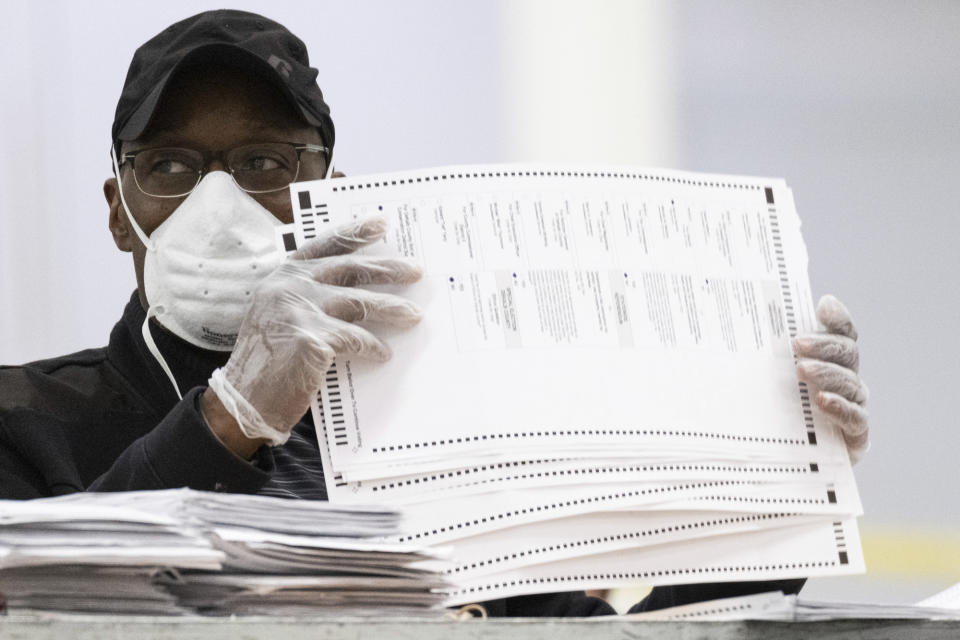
x: 191, y: 366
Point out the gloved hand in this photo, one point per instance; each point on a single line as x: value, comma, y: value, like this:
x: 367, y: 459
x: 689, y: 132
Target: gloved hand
x: 301, y: 317
x: 829, y: 362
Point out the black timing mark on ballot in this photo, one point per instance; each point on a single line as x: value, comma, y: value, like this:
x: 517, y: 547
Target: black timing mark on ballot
x: 337, y: 477
x: 335, y: 406
x: 540, y: 173
x: 841, y: 543
x: 310, y: 213
x: 788, y: 308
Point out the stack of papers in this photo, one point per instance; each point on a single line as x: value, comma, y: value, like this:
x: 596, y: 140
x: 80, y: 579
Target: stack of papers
x: 168, y: 552
x: 602, y: 391
x: 85, y: 554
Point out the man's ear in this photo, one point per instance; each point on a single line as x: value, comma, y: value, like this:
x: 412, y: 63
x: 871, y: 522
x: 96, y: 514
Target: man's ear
x: 119, y: 226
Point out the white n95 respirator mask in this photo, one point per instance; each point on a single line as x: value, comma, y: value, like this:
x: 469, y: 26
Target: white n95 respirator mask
x: 204, y: 261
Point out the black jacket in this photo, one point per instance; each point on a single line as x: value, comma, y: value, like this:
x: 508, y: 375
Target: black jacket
x: 108, y: 420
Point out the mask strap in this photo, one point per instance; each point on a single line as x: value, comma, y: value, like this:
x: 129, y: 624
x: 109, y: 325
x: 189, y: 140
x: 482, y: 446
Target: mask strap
x: 152, y: 311
x: 136, y: 227
x: 155, y: 351
x: 329, y: 167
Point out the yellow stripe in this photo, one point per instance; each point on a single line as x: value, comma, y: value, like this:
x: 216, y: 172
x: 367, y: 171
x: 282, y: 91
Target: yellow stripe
x: 905, y: 552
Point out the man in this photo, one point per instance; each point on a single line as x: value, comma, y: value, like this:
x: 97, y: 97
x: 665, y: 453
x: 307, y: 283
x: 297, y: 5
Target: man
x: 208, y: 375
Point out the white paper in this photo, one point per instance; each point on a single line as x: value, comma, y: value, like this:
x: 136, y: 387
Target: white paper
x: 561, y: 296
x: 598, y: 533
x: 760, y: 606
x: 790, y: 552
x: 947, y: 599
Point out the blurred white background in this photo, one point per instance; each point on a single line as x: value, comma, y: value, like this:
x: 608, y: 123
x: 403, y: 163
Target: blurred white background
x: 854, y: 103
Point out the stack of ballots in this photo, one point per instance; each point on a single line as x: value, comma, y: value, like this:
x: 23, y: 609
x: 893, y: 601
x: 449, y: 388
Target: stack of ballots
x: 179, y: 551
x: 602, y: 392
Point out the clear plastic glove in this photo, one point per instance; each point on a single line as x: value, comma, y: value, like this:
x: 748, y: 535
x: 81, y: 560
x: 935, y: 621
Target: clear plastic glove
x: 302, y: 316
x: 829, y: 362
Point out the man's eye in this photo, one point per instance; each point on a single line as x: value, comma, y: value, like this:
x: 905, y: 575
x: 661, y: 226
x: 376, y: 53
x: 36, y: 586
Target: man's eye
x: 260, y: 163
x: 170, y: 166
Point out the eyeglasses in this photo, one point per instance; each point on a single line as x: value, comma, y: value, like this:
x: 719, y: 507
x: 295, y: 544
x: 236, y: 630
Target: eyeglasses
x: 171, y: 172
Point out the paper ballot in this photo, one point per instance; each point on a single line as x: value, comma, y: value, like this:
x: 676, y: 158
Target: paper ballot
x: 595, y: 342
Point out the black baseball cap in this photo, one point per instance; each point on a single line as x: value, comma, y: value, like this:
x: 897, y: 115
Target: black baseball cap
x: 267, y: 47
